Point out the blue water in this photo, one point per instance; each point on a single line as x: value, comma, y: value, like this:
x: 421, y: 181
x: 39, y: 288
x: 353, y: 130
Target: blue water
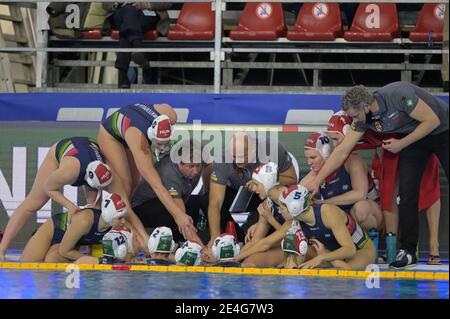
x: 28, y: 284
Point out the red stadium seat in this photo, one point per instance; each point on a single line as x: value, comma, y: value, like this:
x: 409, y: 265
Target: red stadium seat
x: 374, y: 22
x: 150, y: 35
x: 260, y: 21
x: 317, y: 22
x: 195, y: 22
x: 430, y: 23
x: 91, y: 35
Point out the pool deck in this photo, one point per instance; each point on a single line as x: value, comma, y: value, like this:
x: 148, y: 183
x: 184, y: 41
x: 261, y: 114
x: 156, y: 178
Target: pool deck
x: 420, y: 272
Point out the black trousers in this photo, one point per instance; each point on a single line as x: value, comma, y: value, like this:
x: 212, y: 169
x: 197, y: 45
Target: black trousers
x: 413, y: 160
x: 132, y: 25
x: 154, y: 214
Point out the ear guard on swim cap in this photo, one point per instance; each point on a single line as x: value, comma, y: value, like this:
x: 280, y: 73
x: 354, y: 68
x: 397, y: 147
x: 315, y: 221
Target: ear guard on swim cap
x: 295, y: 240
x: 161, y: 129
x: 161, y: 241
x: 296, y: 199
x: 115, y: 244
x: 189, y: 254
x: 112, y: 207
x: 98, y: 175
x: 340, y: 123
x: 225, y: 248
x: 319, y: 142
x: 266, y: 174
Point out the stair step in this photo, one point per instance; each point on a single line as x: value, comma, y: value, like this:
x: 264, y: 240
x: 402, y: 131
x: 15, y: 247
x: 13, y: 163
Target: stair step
x: 23, y: 81
x: 21, y: 59
x: 10, y: 18
x: 14, y: 38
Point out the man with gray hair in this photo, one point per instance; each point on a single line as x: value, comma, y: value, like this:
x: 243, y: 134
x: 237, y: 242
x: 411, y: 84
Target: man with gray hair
x: 421, y: 122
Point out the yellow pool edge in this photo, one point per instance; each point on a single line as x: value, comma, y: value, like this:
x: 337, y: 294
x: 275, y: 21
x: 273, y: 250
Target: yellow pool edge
x: 329, y: 273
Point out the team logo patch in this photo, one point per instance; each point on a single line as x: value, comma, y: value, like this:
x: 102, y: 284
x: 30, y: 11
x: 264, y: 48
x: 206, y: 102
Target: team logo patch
x: 119, y: 204
x: 164, y: 129
x: 103, y: 174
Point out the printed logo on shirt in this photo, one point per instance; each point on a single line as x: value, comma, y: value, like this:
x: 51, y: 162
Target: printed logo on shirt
x: 214, y: 177
x: 378, y: 126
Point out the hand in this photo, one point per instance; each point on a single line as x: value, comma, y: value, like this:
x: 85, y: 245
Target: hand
x: 250, y: 233
x: 2, y: 257
x: 186, y: 226
x: 72, y: 211
x: 207, y: 254
x: 313, y: 186
x: 313, y: 263
x: 318, y: 246
x: 393, y: 145
x: 251, y: 186
x: 263, y: 210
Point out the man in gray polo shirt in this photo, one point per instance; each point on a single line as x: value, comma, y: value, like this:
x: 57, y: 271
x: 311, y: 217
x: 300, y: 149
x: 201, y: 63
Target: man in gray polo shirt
x: 180, y: 179
x: 227, y: 177
x: 421, y: 119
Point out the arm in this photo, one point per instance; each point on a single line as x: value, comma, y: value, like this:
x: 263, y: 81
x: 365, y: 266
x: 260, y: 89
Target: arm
x: 360, y: 184
x: 262, y: 227
x: 81, y: 224
x: 340, y: 154
x: 66, y: 174
x: 216, y: 198
x: 191, y: 236
x: 333, y: 220
x: 143, y: 158
x: 265, y: 243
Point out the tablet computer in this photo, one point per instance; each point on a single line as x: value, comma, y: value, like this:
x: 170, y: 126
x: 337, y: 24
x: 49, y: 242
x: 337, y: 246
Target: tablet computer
x: 241, y: 201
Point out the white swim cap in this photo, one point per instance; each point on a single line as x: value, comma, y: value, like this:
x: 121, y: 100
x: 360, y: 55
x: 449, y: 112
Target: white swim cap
x: 225, y: 248
x: 98, y: 175
x: 161, y: 241
x: 266, y: 174
x: 189, y: 254
x: 161, y: 129
x: 295, y: 240
x: 112, y: 207
x: 116, y: 243
x: 296, y: 199
x: 320, y: 142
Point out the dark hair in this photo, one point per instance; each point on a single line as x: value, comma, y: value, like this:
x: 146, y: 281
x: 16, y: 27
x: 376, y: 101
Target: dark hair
x: 357, y: 97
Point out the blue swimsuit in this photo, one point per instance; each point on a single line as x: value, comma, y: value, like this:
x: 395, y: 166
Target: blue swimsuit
x: 84, y: 149
x: 137, y: 115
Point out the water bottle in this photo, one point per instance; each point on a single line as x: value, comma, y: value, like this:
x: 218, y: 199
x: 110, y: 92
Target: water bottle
x: 391, y: 247
x: 373, y: 234
x: 201, y: 223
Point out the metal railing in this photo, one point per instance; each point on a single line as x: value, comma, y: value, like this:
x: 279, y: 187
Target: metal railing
x: 218, y: 51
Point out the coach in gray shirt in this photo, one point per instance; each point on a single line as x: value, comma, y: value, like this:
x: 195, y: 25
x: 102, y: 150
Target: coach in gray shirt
x: 422, y: 120
x: 180, y: 179
x: 227, y: 177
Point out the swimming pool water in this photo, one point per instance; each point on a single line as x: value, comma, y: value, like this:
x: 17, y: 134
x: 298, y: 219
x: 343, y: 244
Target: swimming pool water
x: 29, y: 284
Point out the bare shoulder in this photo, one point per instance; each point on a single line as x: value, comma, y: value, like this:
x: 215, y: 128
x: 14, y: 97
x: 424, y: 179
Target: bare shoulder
x: 331, y: 214
x: 83, y: 218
